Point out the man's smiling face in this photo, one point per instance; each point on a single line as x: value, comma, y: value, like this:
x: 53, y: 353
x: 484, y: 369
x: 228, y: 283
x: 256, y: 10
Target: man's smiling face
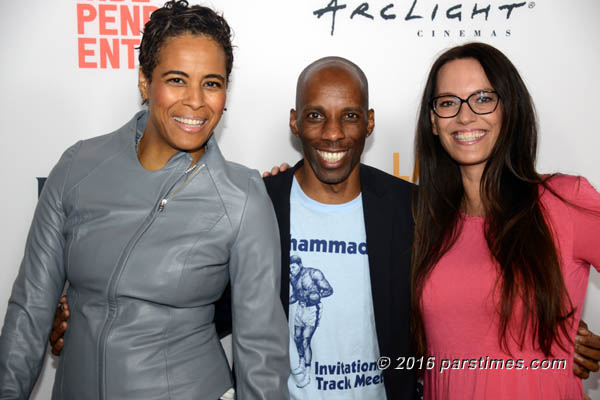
x: 332, y: 120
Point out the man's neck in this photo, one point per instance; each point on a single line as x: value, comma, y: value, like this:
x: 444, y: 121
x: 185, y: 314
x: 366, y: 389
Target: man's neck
x: 328, y: 193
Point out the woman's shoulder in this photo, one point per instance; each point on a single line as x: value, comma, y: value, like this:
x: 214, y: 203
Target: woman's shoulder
x: 569, y: 193
x: 570, y: 187
x: 244, y: 196
x: 228, y: 176
x: 238, y: 185
x: 89, y: 154
x: 114, y: 141
x: 240, y: 175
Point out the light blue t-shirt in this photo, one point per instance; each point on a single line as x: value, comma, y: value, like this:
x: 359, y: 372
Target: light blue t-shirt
x: 333, y: 343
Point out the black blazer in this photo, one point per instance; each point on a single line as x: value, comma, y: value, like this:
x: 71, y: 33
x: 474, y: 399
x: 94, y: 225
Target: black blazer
x: 389, y: 229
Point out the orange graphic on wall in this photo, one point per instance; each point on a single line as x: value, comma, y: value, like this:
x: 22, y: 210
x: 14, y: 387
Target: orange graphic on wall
x: 108, y: 33
x: 396, y: 169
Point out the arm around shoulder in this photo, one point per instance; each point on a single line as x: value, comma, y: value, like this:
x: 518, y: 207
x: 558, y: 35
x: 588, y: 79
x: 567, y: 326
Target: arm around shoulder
x: 260, y: 331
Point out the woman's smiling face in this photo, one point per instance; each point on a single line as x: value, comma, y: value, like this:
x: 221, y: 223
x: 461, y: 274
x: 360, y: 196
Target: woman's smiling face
x: 186, y: 95
x: 468, y: 138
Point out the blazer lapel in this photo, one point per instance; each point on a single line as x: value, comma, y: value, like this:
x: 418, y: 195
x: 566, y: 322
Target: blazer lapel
x: 378, y: 226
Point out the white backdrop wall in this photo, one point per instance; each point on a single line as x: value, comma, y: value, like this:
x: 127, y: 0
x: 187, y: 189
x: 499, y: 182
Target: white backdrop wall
x: 61, y: 80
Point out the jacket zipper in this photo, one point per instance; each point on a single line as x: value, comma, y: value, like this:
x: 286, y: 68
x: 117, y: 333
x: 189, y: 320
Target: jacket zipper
x: 116, y: 275
x: 194, y: 171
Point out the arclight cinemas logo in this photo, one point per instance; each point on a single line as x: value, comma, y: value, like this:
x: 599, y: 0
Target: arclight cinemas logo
x: 490, y: 14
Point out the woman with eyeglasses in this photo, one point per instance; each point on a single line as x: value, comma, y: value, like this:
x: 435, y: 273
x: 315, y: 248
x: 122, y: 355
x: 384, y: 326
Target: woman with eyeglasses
x: 502, y: 253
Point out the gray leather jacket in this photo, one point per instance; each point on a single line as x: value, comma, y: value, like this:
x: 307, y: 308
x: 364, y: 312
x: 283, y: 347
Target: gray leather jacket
x: 146, y: 254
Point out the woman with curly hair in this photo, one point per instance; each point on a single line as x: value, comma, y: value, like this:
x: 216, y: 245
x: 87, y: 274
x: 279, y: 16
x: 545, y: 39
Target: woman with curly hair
x: 149, y: 224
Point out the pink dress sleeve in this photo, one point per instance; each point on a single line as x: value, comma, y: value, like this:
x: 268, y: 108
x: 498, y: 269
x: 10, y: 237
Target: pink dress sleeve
x: 586, y: 222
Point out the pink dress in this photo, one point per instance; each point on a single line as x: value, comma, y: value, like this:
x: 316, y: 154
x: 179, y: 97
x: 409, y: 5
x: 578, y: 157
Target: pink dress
x: 461, y: 318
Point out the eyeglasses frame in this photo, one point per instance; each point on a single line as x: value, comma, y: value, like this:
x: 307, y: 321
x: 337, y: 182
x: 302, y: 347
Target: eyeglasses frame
x: 432, y: 102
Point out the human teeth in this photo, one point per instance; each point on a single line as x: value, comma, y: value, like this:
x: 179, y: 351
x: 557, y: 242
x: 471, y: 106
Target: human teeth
x: 331, y: 157
x: 188, y: 121
x: 468, y: 136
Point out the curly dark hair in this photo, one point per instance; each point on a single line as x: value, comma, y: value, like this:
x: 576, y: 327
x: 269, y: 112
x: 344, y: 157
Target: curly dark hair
x: 177, y: 18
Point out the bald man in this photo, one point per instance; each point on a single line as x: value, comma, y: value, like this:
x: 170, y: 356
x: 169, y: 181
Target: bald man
x: 352, y: 224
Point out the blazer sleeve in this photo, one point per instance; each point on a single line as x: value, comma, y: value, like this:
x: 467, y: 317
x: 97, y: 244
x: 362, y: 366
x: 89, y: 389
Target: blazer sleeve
x: 35, y: 292
x: 260, y: 332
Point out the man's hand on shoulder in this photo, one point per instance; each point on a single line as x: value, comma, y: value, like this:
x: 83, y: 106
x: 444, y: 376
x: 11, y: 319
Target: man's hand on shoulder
x: 276, y: 169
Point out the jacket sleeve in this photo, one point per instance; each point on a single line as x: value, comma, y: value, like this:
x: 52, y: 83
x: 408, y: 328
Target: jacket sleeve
x: 39, y: 283
x: 260, y: 331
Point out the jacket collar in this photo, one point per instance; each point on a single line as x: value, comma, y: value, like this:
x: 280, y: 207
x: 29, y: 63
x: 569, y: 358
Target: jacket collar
x: 212, y: 157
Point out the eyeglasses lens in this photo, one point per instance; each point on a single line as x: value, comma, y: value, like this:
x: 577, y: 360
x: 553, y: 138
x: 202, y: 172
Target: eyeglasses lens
x: 480, y: 103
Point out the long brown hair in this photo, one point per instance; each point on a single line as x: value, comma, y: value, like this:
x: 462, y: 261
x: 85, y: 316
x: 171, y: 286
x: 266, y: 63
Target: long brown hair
x: 517, y: 234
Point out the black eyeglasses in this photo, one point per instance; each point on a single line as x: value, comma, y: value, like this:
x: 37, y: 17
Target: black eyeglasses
x: 482, y: 102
